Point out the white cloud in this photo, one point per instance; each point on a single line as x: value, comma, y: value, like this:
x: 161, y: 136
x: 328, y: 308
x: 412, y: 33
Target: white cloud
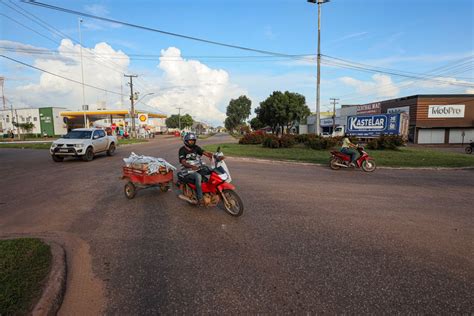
x: 98, y: 71
x: 381, y: 85
x: 200, y: 90
x: 470, y: 91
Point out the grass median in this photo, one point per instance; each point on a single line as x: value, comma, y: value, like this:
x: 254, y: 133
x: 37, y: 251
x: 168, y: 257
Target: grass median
x: 47, y: 145
x: 403, y: 157
x: 24, y: 266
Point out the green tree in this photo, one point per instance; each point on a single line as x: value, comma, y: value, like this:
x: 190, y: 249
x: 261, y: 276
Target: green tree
x: 173, y: 121
x: 255, y: 123
x: 238, y: 111
x: 282, y: 110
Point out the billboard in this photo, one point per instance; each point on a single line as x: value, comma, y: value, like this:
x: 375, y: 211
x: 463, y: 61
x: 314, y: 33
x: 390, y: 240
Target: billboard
x: 401, y: 109
x: 374, y: 125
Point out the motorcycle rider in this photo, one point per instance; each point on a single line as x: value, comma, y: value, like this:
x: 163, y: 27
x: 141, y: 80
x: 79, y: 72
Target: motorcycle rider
x: 350, y: 149
x: 189, y: 157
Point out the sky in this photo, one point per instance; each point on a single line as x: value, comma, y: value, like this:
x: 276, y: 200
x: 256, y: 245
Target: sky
x: 430, y: 43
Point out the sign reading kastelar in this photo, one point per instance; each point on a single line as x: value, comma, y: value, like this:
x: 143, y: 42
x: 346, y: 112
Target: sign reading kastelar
x: 446, y: 111
x: 374, y: 125
x: 373, y: 122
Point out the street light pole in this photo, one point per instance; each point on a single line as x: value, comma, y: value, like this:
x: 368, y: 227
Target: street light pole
x: 82, y: 71
x: 318, y: 80
x: 132, y: 110
x: 179, y: 118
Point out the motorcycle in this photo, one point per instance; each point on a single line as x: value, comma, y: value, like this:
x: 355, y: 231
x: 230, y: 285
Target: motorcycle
x: 216, y: 186
x: 469, y: 148
x: 340, y: 160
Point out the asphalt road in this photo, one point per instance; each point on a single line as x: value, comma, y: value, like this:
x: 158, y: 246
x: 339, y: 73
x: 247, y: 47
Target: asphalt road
x: 310, y: 239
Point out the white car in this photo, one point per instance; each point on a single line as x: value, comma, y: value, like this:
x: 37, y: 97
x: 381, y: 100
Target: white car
x: 84, y: 143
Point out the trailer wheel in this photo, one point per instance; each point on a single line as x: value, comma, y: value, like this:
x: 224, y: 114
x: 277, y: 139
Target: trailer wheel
x: 130, y: 190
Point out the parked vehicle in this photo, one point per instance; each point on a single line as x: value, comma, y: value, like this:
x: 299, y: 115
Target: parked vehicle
x: 216, y: 186
x: 469, y: 148
x: 340, y: 160
x: 84, y: 143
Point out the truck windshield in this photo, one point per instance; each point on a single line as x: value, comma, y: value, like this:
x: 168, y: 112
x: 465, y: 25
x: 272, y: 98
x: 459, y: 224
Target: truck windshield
x: 78, y: 135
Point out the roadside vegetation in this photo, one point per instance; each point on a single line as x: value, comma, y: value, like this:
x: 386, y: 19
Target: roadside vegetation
x: 26, y: 145
x: 24, y: 266
x: 47, y: 144
x: 401, y: 157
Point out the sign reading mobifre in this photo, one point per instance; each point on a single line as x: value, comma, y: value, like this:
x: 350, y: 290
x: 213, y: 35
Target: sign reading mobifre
x: 446, y: 111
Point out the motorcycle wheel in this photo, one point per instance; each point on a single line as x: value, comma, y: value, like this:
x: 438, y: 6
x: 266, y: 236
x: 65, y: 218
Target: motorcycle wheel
x: 333, y: 162
x: 469, y: 150
x: 235, y: 207
x: 368, y: 165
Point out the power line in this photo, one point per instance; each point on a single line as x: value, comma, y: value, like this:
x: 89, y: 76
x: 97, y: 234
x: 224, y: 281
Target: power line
x: 48, y: 6
x: 56, y: 75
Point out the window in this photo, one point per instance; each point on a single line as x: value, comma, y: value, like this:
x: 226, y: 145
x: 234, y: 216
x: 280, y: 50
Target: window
x: 7, y: 120
x: 96, y: 133
x: 101, y: 133
x: 35, y: 119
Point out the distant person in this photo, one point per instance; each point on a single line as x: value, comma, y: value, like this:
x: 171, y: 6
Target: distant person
x: 350, y: 149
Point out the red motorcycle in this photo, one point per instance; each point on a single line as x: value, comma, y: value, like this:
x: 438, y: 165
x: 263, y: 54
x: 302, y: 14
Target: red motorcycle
x: 340, y: 160
x: 215, y: 186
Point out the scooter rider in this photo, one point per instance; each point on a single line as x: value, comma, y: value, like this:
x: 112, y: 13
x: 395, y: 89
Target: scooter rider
x: 350, y: 149
x: 188, y: 157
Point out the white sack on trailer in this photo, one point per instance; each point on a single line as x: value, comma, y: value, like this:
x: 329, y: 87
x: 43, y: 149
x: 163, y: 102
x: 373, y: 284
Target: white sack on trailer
x: 152, y: 163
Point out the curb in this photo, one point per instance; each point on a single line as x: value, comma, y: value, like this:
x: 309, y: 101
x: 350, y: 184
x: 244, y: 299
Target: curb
x: 290, y: 162
x: 55, y: 287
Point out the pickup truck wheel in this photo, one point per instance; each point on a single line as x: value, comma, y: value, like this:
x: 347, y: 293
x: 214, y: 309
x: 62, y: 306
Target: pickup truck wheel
x: 89, y: 155
x: 57, y: 158
x: 130, y: 190
x: 111, y: 150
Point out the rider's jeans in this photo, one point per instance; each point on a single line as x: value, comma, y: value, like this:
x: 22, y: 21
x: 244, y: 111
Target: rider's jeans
x: 351, y: 152
x: 197, y: 181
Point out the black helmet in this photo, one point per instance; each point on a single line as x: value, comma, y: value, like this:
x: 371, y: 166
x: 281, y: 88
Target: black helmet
x: 188, y: 137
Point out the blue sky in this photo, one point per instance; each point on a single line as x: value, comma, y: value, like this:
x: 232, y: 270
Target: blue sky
x: 407, y: 36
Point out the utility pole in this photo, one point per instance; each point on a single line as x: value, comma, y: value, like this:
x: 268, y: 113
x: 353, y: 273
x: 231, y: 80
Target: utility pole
x: 132, y: 110
x: 82, y: 71
x: 318, y: 80
x: 2, y: 80
x: 334, y: 102
x: 179, y: 118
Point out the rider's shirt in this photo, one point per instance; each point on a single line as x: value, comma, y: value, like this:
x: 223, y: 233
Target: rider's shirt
x: 191, y: 155
x: 346, y: 142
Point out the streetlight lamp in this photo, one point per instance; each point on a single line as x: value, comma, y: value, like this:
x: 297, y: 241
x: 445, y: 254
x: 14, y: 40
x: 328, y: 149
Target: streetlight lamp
x: 144, y: 96
x: 318, y: 80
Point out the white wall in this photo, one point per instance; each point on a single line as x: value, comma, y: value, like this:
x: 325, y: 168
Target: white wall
x: 60, y: 128
x: 23, y: 116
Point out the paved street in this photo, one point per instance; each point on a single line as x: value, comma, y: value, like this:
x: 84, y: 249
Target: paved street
x: 310, y: 239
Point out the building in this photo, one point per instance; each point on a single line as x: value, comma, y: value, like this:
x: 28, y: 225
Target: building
x: 434, y: 119
x: 46, y: 121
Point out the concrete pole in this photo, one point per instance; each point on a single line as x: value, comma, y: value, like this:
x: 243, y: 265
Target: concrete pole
x: 82, y: 71
x: 318, y: 80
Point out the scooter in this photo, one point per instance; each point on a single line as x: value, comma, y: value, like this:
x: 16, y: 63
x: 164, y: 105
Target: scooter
x: 469, y: 148
x: 216, y: 186
x: 340, y: 160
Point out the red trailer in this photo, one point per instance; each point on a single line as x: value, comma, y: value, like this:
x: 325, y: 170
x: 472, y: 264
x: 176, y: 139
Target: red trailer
x: 139, y: 179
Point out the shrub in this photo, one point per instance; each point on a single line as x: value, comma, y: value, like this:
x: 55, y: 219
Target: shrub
x: 302, y: 138
x: 252, y: 138
x: 287, y: 141
x: 386, y: 142
x: 271, y: 141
